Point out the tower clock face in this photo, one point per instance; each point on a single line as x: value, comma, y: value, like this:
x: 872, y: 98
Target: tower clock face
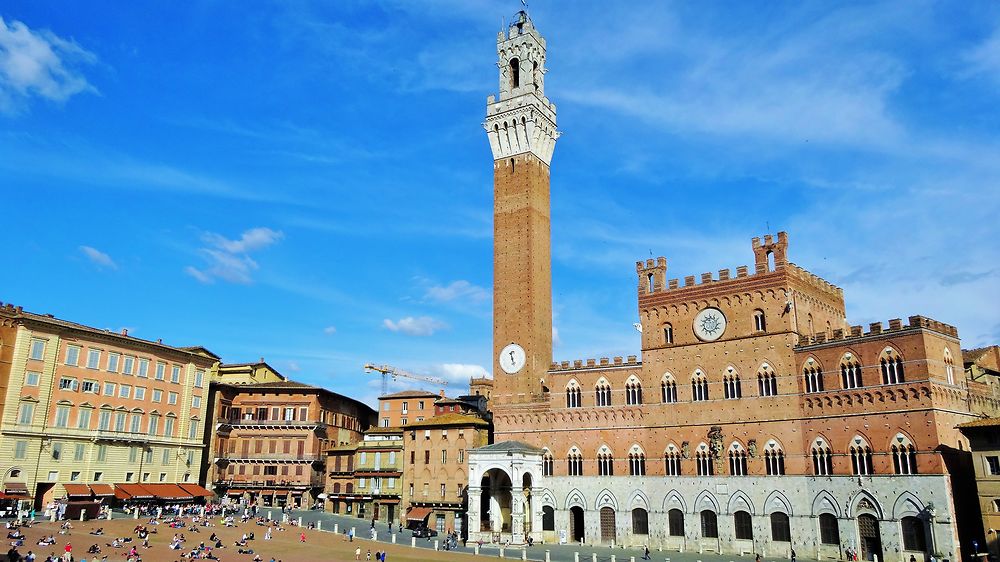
x: 511, y: 358
x: 709, y: 324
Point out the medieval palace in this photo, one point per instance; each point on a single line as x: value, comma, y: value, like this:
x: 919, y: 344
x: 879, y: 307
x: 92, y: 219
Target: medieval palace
x: 758, y: 419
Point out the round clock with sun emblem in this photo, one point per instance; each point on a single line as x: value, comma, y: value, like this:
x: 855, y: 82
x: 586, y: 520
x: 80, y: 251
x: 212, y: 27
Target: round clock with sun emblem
x: 709, y: 324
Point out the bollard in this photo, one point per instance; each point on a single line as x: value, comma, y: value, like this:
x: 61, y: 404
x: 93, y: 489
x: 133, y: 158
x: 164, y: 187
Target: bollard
x: 548, y: 556
x: 336, y: 527
x: 476, y: 549
x: 83, y: 515
x: 135, y: 516
x: 631, y: 559
x: 501, y: 552
x: 374, y: 535
x: 319, y: 525
x: 613, y: 558
x: 576, y: 557
x: 300, y: 521
x: 435, y: 544
x: 524, y: 554
x: 393, y: 539
x: 413, y: 542
x: 353, y: 533
x: 270, y: 514
x: 110, y: 513
x: 593, y: 557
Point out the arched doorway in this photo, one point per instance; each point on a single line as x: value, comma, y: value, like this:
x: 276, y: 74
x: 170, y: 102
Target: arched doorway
x: 495, y: 501
x: 608, y: 534
x: 576, y: 523
x: 528, y: 508
x: 871, y: 538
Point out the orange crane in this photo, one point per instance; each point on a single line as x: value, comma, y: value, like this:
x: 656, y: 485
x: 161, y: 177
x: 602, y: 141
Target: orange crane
x: 390, y: 371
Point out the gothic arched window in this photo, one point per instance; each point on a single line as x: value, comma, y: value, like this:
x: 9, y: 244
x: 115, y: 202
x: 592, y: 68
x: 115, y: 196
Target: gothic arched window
x: 767, y: 382
x: 822, y: 458
x: 850, y: 372
x: 861, y: 456
x: 892, y: 366
x: 904, y: 455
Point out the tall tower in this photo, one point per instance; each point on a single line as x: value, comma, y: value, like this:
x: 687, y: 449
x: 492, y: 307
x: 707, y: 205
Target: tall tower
x: 521, y: 126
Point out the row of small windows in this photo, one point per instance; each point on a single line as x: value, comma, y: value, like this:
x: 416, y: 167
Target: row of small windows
x: 904, y: 458
x: 767, y: 383
x: 114, y: 362
x: 107, y: 420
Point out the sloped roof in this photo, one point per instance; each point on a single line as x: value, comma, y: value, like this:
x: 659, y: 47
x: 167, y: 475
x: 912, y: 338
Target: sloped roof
x: 985, y: 422
x: 509, y: 447
x: 410, y: 394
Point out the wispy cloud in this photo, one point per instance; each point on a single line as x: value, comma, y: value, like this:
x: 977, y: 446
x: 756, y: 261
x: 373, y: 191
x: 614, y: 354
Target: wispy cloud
x: 98, y: 257
x: 229, y: 260
x: 459, y: 372
x: 984, y: 58
x: 39, y: 64
x: 460, y: 290
x: 330, y: 330
x: 414, y: 326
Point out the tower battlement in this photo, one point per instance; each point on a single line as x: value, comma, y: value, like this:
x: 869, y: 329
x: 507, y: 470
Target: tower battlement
x: 875, y: 329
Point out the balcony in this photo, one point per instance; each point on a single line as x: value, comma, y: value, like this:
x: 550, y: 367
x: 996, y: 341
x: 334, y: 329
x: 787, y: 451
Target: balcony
x: 225, y: 425
x: 260, y: 458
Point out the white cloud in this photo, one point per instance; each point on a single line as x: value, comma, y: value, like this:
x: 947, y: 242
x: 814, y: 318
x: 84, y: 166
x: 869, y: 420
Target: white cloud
x: 330, y: 330
x: 98, y: 257
x: 555, y: 336
x: 39, y: 63
x: 228, y: 259
x: 293, y: 366
x: 457, y: 290
x: 421, y: 326
x: 460, y: 372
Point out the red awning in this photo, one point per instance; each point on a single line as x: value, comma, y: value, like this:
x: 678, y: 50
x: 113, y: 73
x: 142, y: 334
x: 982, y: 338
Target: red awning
x: 196, y: 490
x: 418, y: 513
x: 235, y: 492
x: 281, y: 492
x: 4, y: 496
x: 132, y: 492
x: 168, y: 491
x: 388, y: 500
x: 267, y: 492
x: 77, y: 490
x: 102, y: 489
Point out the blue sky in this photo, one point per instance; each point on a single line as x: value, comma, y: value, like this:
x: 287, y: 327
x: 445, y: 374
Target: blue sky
x: 310, y: 182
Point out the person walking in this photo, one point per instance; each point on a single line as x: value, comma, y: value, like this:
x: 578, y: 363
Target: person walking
x: 793, y: 555
x: 645, y: 552
x: 357, y: 553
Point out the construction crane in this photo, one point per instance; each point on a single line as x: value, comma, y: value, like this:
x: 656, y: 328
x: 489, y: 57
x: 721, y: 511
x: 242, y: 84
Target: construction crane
x: 390, y: 371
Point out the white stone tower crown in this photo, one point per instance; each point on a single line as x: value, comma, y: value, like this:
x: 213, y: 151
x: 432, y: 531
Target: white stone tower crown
x: 522, y: 120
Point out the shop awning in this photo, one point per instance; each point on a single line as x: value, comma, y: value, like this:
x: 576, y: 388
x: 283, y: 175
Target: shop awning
x: 281, y: 492
x: 196, y: 490
x: 235, y: 492
x: 388, y: 500
x: 15, y: 488
x: 132, y: 492
x: 296, y: 492
x: 267, y: 492
x: 4, y: 496
x: 168, y: 491
x: 77, y: 490
x: 102, y: 489
x: 418, y: 513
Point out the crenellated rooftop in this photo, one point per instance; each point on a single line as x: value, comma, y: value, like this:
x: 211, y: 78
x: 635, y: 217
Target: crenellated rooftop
x: 877, y: 329
x: 602, y: 363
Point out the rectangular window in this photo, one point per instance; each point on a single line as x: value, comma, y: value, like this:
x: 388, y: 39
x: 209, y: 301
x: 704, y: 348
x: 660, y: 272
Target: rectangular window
x: 113, y: 359
x: 140, y: 393
x: 98, y: 476
x: 109, y: 389
x: 93, y: 358
x: 442, y: 490
x: 20, y: 449
x: 73, y: 355
x: 154, y: 422
x: 199, y: 378
x: 31, y: 378
x: 57, y: 448
x: 362, y: 482
x: 143, y: 367
x: 193, y: 430
x: 175, y: 373
x: 391, y: 484
x: 37, y: 349
x: 420, y: 405
x: 171, y: 398
x: 168, y: 427
x: 26, y: 413
x: 62, y: 416
x: 104, y: 420
x: 157, y: 395
x: 125, y: 391
x: 196, y: 401
x: 149, y: 456
x: 165, y: 458
x: 67, y: 383
x: 83, y: 418
x: 163, y: 477
x: 427, y: 457
x: 78, y: 452
x: 129, y: 476
x: 444, y: 434
x: 135, y: 423
x: 993, y: 465
x: 161, y: 370
x: 74, y: 476
x: 102, y: 453
x: 444, y: 456
x: 128, y: 365
x: 133, y: 456
x: 405, y: 407
x: 461, y: 456
x: 93, y: 387
x: 119, y: 421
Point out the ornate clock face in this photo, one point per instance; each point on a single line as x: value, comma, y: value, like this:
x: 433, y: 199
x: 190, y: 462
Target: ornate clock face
x: 709, y: 324
x: 511, y: 358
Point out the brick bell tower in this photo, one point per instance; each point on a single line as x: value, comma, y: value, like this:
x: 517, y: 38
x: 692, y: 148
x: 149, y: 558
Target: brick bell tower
x: 521, y: 126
